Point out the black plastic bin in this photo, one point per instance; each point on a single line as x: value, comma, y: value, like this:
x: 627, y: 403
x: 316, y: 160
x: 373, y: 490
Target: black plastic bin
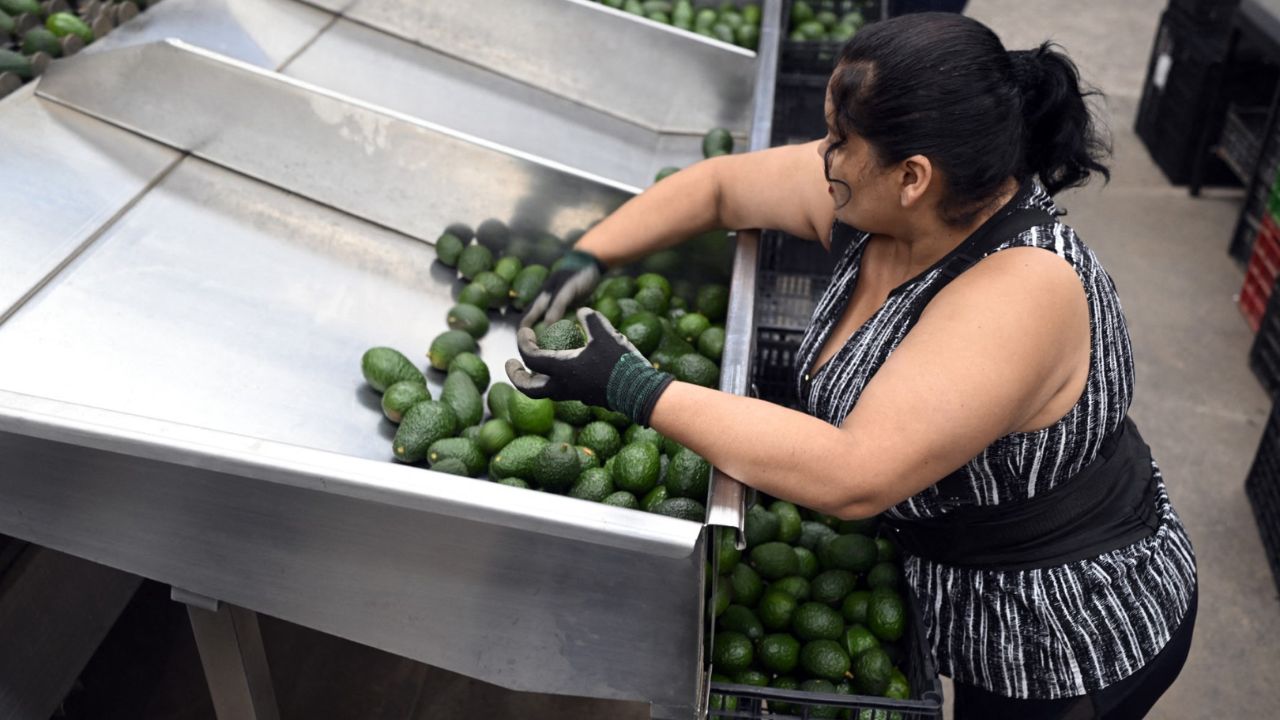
x: 926, y: 689
x: 791, y: 277
x: 1263, y: 489
x: 1264, y: 355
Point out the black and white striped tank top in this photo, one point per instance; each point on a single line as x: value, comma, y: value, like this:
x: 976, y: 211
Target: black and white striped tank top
x: 1046, y: 633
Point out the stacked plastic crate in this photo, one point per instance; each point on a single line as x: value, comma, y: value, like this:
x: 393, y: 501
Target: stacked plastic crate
x: 1258, y: 300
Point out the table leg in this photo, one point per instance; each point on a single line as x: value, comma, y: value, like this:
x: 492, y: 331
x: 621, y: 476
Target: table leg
x: 231, y: 651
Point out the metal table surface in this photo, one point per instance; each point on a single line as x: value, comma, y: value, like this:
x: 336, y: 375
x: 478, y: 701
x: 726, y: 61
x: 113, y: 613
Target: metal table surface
x: 180, y: 330
x: 570, y: 81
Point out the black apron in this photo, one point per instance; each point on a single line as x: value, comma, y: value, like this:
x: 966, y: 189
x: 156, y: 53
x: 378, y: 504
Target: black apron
x: 1109, y: 504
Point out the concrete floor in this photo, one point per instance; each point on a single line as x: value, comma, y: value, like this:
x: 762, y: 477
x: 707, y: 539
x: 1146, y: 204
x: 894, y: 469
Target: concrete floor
x: 1198, y: 404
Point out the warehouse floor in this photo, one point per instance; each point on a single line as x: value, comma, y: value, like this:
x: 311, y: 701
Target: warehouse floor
x: 1199, y: 406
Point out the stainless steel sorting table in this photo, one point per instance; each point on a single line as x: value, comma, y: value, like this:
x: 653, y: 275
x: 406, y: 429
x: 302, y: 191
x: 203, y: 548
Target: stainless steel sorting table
x: 209, y: 237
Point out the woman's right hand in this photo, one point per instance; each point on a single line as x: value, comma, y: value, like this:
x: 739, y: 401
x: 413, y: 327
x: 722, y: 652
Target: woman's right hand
x: 573, y: 277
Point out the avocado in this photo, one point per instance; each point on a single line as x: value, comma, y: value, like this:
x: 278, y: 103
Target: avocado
x: 827, y: 660
x: 448, y: 345
x: 587, y: 458
x: 530, y: 416
x: 526, y: 285
x: 695, y: 369
x: 470, y: 319
x: 608, y: 307
x: 19, y: 7
x: 474, y: 260
x: 574, y: 412
x: 500, y: 399
x: 774, y: 560
x: 711, y: 344
x: 616, y: 287
x: 561, y: 432
x: 692, y: 325
x: 665, y: 173
x: 613, y: 417
x: 688, y: 475
x: 713, y: 301
x: 39, y: 39
x: 761, y: 526
x: 643, y: 330
x: 495, y: 435
x: 562, y: 335
x: 495, y: 286
x: 593, y: 484
x: 467, y: 451
x: 461, y: 395
x: 739, y: 618
x: 422, y: 425
x: 12, y: 62
x: 452, y: 466
x: 636, y: 468
x: 653, y: 498
x: 682, y: 508
x: 718, y: 141
x: 475, y: 295
x: 623, y: 499
x: 508, y: 267
x: 514, y: 482
x: 517, y: 458
x: 652, y: 300
x: 383, y: 367
x: 789, y: 520
x: 872, y: 671
x: 817, y: 621
x: 557, y: 467
x: 602, y: 438
x: 401, y: 396
x: 64, y: 23
x: 471, y: 364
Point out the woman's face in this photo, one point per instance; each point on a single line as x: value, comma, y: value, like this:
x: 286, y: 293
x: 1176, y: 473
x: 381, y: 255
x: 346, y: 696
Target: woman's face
x: 862, y: 190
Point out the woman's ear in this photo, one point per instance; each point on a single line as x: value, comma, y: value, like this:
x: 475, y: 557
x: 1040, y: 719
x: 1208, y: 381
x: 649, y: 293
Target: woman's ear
x: 916, y: 177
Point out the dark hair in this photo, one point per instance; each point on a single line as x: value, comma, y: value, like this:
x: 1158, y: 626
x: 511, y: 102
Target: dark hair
x: 943, y: 86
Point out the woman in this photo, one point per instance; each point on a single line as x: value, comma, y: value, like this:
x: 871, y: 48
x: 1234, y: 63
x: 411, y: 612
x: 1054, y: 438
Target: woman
x: 967, y: 373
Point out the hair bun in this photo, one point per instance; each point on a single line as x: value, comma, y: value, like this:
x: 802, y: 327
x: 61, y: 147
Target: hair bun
x: 1028, y: 68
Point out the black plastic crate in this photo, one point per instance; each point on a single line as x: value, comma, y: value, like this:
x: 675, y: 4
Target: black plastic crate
x: 818, y: 57
x: 798, y: 109
x: 792, y: 275
x: 1262, y: 486
x: 1212, y: 16
x: 1241, y: 140
x: 750, y: 702
x: 1264, y: 356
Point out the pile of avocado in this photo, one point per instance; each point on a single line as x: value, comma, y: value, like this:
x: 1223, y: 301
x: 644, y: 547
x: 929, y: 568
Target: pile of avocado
x: 813, y: 604
x: 728, y: 22
x: 566, y: 447
x: 590, y: 453
x: 37, y: 33
x: 825, y: 20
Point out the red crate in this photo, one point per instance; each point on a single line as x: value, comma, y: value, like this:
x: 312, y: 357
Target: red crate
x: 1261, y: 272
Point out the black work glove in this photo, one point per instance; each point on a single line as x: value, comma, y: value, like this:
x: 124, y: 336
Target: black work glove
x: 608, y: 371
x: 572, y: 278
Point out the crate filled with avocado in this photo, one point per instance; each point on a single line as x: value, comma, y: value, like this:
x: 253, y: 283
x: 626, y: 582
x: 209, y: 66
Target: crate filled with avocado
x: 815, y: 30
x: 478, y: 428
x: 736, y: 23
x: 34, y: 33
x: 813, y: 620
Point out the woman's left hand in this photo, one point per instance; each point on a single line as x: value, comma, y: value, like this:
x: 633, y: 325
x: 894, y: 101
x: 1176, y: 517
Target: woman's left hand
x: 607, y: 372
